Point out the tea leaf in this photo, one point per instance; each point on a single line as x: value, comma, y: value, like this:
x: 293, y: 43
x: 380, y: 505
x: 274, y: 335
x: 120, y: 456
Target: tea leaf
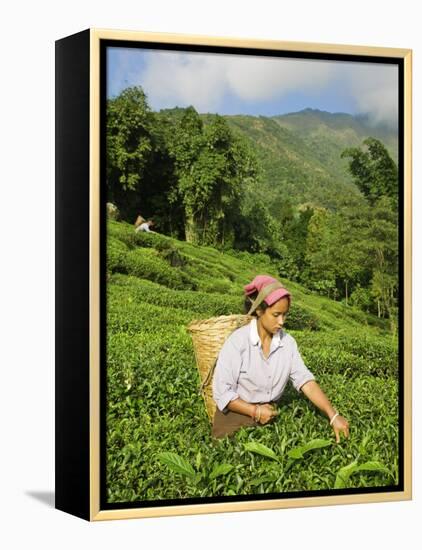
x: 198, y: 460
x: 344, y: 473
x: 262, y: 479
x: 316, y: 444
x: 261, y: 449
x: 221, y: 470
x: 298, y: 452
x: 364, y: 443
x: 373, y: 466
x: 177, y: 463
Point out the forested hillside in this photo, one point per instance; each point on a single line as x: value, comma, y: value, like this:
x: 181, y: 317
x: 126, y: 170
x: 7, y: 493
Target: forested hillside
x: 300, y: 153
x: 316, y: 192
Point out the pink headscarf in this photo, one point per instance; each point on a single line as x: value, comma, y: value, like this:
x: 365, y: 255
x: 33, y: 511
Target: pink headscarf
x: 262, y: 281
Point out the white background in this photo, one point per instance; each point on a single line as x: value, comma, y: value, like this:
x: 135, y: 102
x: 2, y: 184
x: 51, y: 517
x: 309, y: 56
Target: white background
x: 29, y: 30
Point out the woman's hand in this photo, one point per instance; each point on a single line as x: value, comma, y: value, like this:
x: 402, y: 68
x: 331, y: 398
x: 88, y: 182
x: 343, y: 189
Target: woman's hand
x: 315, y: 394
x: 267, y: 413
x: 340, y: 424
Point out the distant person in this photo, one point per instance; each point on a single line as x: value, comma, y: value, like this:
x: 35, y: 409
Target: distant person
x: 139, y: 220
x: 146, y: 226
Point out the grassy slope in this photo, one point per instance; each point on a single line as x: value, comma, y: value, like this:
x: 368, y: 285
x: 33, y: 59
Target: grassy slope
x: 153, y: 401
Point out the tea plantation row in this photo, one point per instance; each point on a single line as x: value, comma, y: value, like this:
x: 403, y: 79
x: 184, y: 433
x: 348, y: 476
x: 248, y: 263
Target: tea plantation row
x: 158, y: 434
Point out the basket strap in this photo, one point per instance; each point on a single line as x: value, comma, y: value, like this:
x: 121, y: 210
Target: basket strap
x: 207, y: 379
x: 263, y: 293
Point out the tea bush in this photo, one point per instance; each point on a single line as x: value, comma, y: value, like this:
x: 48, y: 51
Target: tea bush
x: 158, y: 435
x: 205, y: 304
x: 126, y: 233
x: 301, y: 319
x: 116, y: 254
x: 155, y: 408
x: 145, y: 263
x: 125, y: 315
x: 123, y: 232
x: 351, y: 353
x: 219, y: 287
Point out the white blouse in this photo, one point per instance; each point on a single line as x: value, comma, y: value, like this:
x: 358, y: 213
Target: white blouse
x: 243, y: 371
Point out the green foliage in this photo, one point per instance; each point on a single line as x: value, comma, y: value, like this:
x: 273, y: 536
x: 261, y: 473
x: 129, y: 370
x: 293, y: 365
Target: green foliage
x: 278, y: 191
x: 145, y: 263
x: 177, y: 463
x: 123, y: 232
x: 159, y: 444
x: 145, y: 292
x: 296, y: 453
x: 354, y: 249
x: 126, y: 233
x: 299, y: 452
x: 211, y: 164
x: 301, y: 318
x: 359, y: 353
x: 326, y: 135
x: 260, y: 449
x: 344, y: 473
x: 116, y: 254
x: 277, y: 186
x: 361, y: 298
x: 129, y: 142
x: 221, y: 470
x: 212, y: 272
x: 374, y: 171
x: 290, y: 168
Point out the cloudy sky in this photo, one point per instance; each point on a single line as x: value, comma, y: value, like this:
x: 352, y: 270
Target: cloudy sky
x: 255, y: 85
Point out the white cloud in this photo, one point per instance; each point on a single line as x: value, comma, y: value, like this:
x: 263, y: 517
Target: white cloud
x: 260, y: 78
x: 375, y: 90
x: 203, y: 80
x: 179, y: 79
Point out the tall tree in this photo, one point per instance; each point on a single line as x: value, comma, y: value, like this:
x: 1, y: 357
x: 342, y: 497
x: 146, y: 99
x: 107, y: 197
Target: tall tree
x: 185, y: 145
x: 349, y: 248
x: 129, y: 146
x: 294, y: 232
x: 320, y: 272
x: 211, y: 166
x: 383, y: 237
x: 373, y: 170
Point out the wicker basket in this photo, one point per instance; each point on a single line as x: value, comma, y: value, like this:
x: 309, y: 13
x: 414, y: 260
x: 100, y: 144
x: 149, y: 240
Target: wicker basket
x: 208, y: 337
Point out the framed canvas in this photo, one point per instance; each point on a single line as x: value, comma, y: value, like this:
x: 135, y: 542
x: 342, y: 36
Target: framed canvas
x: 192, y: 173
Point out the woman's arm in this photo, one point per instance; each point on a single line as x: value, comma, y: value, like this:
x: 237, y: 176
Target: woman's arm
x: 263, y: 413
x: 315, y: 394
x: 242, y: 407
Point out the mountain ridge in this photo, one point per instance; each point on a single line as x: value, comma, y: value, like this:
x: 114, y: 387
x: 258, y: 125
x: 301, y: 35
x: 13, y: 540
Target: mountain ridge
x: 300, y: 152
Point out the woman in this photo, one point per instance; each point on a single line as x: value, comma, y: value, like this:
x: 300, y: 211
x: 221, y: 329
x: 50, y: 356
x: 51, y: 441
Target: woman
x: 257, y: 361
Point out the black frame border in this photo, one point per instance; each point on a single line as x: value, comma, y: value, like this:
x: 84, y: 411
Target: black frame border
x: 143, y: 44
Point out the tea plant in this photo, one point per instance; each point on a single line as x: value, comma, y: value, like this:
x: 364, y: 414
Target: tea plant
x: 158, y: 436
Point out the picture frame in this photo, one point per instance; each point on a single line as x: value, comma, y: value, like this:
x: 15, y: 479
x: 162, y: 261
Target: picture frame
x: 83, y: 486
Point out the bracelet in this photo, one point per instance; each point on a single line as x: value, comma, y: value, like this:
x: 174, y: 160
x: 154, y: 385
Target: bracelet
x: 334, y: 417
x: 257, y: 413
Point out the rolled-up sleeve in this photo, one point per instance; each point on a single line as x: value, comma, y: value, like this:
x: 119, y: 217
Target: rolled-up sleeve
x: 299, y: 373
x: 226, y: 375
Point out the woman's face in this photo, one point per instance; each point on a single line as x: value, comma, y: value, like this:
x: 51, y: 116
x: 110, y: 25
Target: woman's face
x: 272, y: 319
